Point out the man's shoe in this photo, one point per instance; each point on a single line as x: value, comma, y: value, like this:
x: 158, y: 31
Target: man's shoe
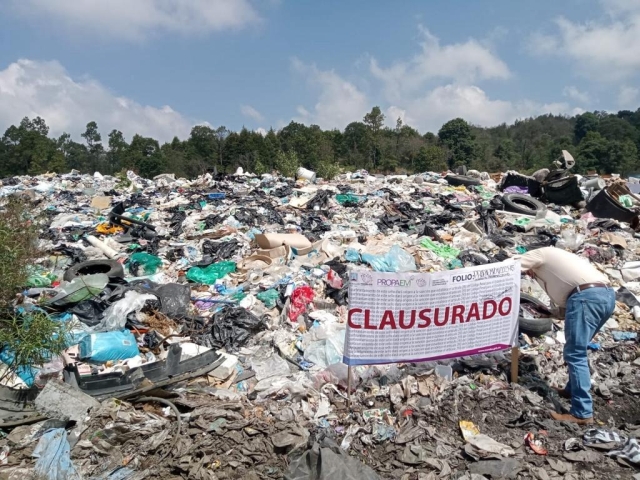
x: 567, y: 417
x: 562, y: 392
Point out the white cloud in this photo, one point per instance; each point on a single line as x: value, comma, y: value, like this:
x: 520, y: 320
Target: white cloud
x: 262, y: 131
x: 409, y: 90
x: 34, y: 88
x: 462, y: 62
x: 628, y: 97
x: 443, y: 103
x: 573, y: 93
x: 339, y: 101
x: 604, y: 50
x: 250, y: 112
x: 137, y: 19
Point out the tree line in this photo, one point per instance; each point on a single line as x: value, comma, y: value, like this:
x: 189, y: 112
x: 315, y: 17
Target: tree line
x: 601, y: 141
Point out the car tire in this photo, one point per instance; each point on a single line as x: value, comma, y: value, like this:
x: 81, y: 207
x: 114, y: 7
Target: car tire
x: 524, y: 204
x: 459, y: 180
x: 535, y: 326
x: 112, y: 268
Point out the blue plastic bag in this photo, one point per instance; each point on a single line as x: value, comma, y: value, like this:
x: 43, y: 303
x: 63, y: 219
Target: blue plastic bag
x: 352, y: 255
x: 396, y: 260
x: 103, y: 347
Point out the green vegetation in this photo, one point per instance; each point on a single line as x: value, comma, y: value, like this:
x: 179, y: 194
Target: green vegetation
x: 607, y: 142
x: 29, y: 338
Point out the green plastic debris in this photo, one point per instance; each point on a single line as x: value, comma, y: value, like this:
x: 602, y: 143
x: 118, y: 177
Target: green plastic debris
x: 348, y: 198
x: 521, y: 250
x: 80, y: 289
x: 443, y: 251
x: 268, y: 297
x: 40, y: 280
x: 455, y: 263
x: 144, y: 263
x: 625, y: 200
x: 239, y: 296
x: 209, y: 275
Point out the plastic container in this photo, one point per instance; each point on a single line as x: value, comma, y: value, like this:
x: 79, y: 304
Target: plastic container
x: 217, y: 196
x: 596, y: 184
x: 306, y: 174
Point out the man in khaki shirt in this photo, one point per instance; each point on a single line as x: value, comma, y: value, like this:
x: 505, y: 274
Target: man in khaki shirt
x: 572, y: 282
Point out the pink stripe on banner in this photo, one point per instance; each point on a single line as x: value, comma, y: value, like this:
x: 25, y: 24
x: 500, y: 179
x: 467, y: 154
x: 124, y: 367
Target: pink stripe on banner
x: 380, y: 361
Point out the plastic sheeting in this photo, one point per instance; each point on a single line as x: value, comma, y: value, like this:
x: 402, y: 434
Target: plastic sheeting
x: 53, y: 457
x: 326, y: 461
x: 115, y: 317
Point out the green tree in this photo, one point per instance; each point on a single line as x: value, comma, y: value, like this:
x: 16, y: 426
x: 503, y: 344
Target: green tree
x: 506, y: 152
x: 585, y: 123
x: 623, y: 158
x: 593, y: 152
x: 145, y: 154
x: 431, y: 158
x: 457, y: 136
x: 117, y: 154
x: 374, y: 120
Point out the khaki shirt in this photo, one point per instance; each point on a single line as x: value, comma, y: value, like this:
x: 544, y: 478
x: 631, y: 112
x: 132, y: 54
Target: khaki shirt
x: 559, y: 272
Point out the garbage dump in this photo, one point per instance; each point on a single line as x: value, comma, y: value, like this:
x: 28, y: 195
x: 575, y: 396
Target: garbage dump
x: 207, y: 321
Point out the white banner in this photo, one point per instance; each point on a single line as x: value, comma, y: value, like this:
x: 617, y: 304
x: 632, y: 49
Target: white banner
x: 415, y: 317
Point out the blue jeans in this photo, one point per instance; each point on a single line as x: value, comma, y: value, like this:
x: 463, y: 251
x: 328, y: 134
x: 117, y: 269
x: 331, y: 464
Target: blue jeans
x: 587, y: 312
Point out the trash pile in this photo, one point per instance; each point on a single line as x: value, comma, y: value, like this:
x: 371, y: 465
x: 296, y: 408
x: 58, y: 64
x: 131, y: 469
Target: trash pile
x: 207, y: 322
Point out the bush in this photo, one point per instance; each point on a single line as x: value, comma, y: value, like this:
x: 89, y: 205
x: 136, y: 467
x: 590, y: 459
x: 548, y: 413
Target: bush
x: 287, y: 163
x: 328, y: 170
x: 18, y: 248
x: 29, y: 339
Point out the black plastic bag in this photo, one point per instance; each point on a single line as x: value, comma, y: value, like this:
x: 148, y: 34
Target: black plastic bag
x: 233, y: 326
x: 220, y: 250
x: 75, y: 254
x: 320, y: 200
x: 89, y: 312
x: 283, y: 191
x: 174, y: 299
x: 176, y: 221
x: 213, y: 220
x: 246, y: 216
x: 339, y: 295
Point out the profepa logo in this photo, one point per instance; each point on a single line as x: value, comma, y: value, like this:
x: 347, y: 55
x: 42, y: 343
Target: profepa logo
x: 394, y: 282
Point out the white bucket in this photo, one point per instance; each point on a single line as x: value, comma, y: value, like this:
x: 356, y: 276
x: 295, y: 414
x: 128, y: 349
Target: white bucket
x: 596, y: 184
x: 306, y: 174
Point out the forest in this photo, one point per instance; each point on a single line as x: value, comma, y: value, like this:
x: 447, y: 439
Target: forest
x: 601, y: 141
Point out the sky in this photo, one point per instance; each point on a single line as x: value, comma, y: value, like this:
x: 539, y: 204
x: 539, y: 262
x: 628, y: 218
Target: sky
x: 159, y: 67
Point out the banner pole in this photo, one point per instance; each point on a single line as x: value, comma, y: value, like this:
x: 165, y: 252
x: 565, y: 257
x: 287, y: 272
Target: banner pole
x: 349, y: 387
x: 515, y: 353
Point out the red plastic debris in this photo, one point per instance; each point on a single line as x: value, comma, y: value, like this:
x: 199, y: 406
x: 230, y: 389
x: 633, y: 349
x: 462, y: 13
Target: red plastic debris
x: 300, y: 298
x: 537, y: 445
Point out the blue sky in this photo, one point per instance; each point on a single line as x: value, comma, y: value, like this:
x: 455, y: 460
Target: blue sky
x: 157, y: 67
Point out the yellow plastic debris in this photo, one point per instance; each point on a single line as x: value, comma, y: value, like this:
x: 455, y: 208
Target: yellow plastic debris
x: 107, y: 229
